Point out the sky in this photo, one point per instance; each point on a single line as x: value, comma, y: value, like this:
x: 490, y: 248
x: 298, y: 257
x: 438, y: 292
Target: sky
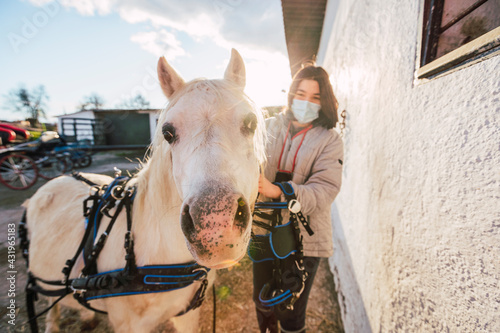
x: 111, y: 47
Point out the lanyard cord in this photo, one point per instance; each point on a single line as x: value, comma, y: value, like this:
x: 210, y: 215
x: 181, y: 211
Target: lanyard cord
x: 304, y: 131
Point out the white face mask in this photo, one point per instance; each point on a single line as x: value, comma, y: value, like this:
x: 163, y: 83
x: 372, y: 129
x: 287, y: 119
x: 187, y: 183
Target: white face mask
x: 305, y: 111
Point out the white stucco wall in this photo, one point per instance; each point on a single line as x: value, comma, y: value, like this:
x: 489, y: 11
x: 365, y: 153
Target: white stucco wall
x: 417, y: 222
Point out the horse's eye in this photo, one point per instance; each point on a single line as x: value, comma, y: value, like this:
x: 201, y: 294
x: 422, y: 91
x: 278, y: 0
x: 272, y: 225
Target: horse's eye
x: 249, y: 124
x: 168, y: 136
x: 168, y: 131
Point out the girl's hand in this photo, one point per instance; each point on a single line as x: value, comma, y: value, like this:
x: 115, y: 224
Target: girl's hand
x: 268, y: 189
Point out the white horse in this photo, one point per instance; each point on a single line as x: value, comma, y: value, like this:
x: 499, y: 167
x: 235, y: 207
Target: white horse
x: 194, y: 200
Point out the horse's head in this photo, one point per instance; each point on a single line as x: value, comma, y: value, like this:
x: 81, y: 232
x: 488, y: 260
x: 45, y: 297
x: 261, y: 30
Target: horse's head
x: 214, y: 135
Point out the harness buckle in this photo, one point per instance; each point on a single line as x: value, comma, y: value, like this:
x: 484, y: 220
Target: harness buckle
x: 108, y: 205
x: 201, y: 294
x: 296, y: 296
x: 294, y: 206
x: 299, y: 266
x: 128, y: 240
x: 78, y: 292
x: 118, y: 172
x: 130, y: 192
x: 94, y: 190
x: 117, y: 192
x: 202, y: 269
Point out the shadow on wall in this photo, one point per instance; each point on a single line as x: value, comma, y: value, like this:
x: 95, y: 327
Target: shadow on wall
x: 354, y: 314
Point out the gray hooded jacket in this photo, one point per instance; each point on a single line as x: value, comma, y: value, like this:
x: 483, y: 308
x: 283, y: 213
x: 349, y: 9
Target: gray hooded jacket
x: 317, y: 176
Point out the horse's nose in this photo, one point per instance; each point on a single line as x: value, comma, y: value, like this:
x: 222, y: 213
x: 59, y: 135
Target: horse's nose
x: 231, y: 212
x: 242, y: 217
x: 187, y: 224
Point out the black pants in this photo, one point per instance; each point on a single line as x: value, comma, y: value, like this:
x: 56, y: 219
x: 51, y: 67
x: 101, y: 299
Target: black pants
x: 290, y: 320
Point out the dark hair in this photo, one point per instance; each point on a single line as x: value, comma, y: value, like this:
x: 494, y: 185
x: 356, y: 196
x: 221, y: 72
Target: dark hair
x: 328, y: 117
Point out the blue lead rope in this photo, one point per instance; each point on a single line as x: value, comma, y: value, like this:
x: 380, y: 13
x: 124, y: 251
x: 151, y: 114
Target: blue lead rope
x: 271, y: 205
x: 275, y: 300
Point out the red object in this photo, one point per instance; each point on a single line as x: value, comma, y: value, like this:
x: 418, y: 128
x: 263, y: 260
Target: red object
x: 19, y: 131
x: 304, y: 131
x: 7, y: 135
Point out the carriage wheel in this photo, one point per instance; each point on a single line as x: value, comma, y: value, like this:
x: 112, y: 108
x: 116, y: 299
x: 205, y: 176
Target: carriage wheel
x: 85, y: 161
x: 18, y: 172
x: 51, y: 167
x: 70, y: 164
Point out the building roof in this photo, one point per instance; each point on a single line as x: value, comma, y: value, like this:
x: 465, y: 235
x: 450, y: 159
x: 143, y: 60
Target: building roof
x: 303, y: 20
x: 111, y: 110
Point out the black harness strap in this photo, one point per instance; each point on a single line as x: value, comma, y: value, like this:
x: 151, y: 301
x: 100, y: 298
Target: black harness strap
x: 87, y: 211
x: 291, y: 198
x: 92, y: 255
x: 101, y: 205
x: 22, y: 233
x: 31, y: 298
x: 197, y: 300
x: 32, y: 288
x: 146, y: 279
x: 77, y: 176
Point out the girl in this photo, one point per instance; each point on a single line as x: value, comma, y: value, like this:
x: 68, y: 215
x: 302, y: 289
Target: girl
x: 305, y: 151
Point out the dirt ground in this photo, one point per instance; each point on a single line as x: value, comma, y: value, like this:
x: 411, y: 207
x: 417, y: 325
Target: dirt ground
x: 234, y: 307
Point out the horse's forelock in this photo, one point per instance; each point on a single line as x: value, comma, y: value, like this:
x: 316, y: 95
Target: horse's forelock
x: 219, y: 89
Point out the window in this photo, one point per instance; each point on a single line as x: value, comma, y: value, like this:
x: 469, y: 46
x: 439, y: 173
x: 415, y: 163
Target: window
x: 455, y: 32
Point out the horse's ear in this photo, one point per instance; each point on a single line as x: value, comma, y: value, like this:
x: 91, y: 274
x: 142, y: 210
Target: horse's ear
x: 170, y: 81
x: 235, y: 70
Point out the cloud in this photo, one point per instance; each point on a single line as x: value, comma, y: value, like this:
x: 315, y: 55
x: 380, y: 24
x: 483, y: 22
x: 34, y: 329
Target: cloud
x: 84, y: 7
x: 159, y: 43
x: 253, y: 25
x: 256, y: 24
x: 196, y: 18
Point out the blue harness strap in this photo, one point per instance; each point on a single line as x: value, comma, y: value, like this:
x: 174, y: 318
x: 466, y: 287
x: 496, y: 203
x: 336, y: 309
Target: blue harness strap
x: 145, y: 280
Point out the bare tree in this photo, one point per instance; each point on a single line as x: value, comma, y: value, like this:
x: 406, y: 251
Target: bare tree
x: 138, y: 102
x: 31, y: 103
x: 92, y: 101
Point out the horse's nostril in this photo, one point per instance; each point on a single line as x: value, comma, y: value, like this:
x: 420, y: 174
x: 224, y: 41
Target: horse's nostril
x: 187, y: 224
x: 242, y: 216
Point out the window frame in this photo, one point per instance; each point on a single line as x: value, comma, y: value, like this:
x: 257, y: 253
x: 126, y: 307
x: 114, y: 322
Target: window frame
x: 479, y: 49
